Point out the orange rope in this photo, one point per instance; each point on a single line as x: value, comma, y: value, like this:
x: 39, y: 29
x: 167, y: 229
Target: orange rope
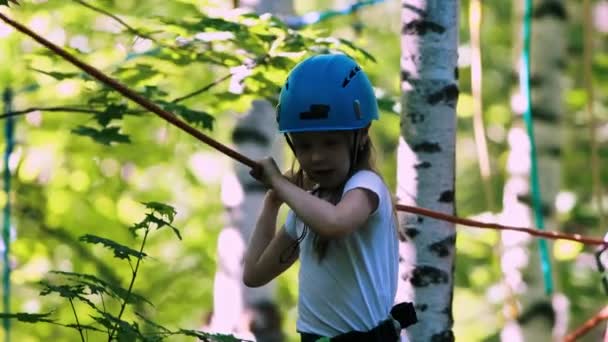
x: 130, y: 94
x: 171, y: 118
x: 588, y: 325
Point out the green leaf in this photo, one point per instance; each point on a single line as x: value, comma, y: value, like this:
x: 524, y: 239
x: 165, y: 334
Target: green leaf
x: 58, y: 75
x: 139, y: 72
x: 67, y: 291
x: 194, y: 117
x: 105, y: 136
x: 28, y: 317
x: 113, y: 111
x: 357, y: 49
x: 125, y: 331
x: 387, y: 104
x: 137, y: 226
x: 120, y: 251
x: 82, y: 327
x: 153, y: 92
x: 208, y: 336
x: 97, y: 286
x: 154, y: 324
x: 161, y: 223
x: 161, y: 208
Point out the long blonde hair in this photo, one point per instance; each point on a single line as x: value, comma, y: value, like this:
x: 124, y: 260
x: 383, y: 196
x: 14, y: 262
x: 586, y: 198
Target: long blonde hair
x: 365, y: 160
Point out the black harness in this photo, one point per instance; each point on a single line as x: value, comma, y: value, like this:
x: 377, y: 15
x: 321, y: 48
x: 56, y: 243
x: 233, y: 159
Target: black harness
x: 402, y: 316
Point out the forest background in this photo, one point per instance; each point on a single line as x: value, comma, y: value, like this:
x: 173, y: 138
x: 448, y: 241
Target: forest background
x: 86, y: 170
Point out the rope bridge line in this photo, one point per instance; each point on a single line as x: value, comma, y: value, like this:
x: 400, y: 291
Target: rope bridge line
x: 173, y: 119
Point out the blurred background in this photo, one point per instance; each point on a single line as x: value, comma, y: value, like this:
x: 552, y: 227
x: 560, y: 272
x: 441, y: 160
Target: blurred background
x: 82, y: 158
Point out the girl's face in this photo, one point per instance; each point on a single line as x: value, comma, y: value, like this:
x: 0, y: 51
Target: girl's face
x: 324, y: 156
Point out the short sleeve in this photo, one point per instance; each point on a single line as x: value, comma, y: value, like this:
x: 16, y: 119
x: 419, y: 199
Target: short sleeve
x: 367, y: 180
x: 290, y: 225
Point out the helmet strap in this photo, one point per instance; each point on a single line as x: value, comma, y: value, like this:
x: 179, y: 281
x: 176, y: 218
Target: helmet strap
x: 354, y: 153
x: 289, y: 143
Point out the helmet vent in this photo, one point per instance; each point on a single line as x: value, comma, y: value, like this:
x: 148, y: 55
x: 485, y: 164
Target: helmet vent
x: 357, y: 107
x: 317, y: 111
x: 351, y: 75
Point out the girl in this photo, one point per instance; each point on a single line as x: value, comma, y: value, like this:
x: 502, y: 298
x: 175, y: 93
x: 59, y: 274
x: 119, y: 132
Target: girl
x: 343, y: 228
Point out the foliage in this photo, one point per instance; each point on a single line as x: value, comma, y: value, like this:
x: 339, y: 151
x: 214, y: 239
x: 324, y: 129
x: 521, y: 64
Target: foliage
x: 76, y: 174
x: 90, y: 290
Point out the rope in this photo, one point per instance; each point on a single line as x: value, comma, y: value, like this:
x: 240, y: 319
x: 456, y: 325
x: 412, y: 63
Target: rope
x: 243, y: 159
x: 132, y: 95
x: 6, y: 228
x: 524, y: 81
x: 588, y: 325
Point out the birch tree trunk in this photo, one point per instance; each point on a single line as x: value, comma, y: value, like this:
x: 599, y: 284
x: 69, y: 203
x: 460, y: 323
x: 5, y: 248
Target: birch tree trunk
x: 238, y: 308
x: 426, y: 162
x: 541, y: 318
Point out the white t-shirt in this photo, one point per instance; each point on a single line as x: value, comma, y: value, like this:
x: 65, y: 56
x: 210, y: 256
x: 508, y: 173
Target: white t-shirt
x: 354, y: 286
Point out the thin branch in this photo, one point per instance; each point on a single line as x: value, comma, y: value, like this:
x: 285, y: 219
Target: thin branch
x: 124, y: 303
x: 105, y: 311
x: 120, y: 21
x: 203, y: 89
x: 132, y: 95
x: 62, y: 109
x: 77, y: 322
x: 250, y: 66
x: 50, y: 109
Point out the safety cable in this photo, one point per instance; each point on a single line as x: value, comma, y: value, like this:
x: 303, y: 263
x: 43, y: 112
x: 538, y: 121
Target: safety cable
x: 9, y: 128
x: 524, y: 83
x: 171, y: 118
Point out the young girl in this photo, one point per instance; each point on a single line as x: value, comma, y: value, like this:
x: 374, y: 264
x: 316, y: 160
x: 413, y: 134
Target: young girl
x: 341, y: 224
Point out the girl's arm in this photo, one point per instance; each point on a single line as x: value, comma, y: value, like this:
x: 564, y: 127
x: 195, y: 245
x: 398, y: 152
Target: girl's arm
x: 262, y: 258
x: 324, y: 218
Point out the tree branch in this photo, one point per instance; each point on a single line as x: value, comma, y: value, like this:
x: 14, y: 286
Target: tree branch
x: 77, y: 322
x: 120, y: 21
x: 249, y: 66
x: 60, y: 109
x: 203, y: 89
x: 50, y: 109
x: 124, y: 303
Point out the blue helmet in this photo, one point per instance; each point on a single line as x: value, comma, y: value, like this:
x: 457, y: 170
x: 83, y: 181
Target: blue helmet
x: 326, y: 93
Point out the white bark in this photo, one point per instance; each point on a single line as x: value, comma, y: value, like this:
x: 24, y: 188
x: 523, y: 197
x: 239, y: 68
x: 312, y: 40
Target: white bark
x: 425, y: 162
x: 235, y: 305
x: 255, y: 137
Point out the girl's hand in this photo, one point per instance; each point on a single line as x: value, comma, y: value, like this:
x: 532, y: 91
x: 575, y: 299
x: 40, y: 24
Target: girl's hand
x: 273, y: 199
x: 266, y: 172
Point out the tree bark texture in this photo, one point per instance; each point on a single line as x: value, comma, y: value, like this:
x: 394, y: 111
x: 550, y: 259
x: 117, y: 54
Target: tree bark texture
x: 426, y: 162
